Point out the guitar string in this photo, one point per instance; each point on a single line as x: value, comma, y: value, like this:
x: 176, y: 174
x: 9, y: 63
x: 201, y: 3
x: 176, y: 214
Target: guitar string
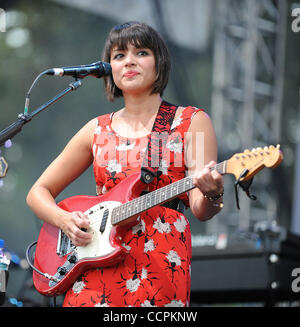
x: 143, y: 202
x: 146, y: 201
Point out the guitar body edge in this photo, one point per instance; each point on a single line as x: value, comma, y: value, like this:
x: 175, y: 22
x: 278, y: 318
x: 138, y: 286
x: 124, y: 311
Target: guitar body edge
x: 48, y: 261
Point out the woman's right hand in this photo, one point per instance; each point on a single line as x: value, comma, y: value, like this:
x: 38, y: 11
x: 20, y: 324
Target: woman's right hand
x: 76, y: 226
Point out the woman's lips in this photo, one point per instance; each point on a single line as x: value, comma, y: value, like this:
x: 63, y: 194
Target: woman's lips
x: 131, y: 74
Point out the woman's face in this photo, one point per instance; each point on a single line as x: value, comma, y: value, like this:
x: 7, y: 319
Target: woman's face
x: 133, y: 69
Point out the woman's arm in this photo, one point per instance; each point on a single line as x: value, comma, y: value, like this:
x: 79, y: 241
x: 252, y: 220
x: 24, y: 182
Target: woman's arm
x: 70, y: 164
x: 201, y: 154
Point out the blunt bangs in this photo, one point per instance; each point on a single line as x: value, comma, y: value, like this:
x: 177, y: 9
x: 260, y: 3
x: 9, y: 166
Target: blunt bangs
x: 135, y: 36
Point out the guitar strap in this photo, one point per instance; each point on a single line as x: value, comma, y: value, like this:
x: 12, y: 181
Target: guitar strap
x: 157, y: 140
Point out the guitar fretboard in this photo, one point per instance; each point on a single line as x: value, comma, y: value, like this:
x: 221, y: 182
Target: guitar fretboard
x: 159, y: 196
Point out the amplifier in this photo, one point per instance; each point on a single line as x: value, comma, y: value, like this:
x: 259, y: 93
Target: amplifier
x: 254, y: 267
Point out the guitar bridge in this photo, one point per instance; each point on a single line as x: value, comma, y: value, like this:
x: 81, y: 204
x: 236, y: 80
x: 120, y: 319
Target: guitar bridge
x: 64, y: 244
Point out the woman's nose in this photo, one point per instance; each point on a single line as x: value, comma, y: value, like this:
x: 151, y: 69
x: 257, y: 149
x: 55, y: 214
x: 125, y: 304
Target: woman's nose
x: 129, y: 60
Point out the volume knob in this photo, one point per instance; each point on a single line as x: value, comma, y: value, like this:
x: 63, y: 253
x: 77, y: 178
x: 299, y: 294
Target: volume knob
x: 62, y: 270
x: 72, y: 258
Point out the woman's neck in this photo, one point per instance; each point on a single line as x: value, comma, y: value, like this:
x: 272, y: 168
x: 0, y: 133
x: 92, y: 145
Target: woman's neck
x: 140, y: 106
x: 137, y: 117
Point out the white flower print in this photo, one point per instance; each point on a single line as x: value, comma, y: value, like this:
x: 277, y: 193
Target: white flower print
x: 78, y: 286
x: 163, y: 167
x: 149, y: 246
x: 97, y: 130
x: 147, y: 303
x: 114, y: 166
x: 180, y: 224
x: 176, y: 122
x: 125, y: 146
x: 139, y: 227
x: 101, y: 305
x: 144, y: 273
x: 97, y: 154
x: 133, y: 285
x: 174, y: 257
x: 127, y: 247
x: 162, y: 227
x: 175, y: 145
x: 104, y: 190
x: 175, y: 303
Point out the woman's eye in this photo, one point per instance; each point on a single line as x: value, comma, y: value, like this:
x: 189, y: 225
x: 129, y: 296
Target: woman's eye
x: 142, y: 53
x: 118, y: 56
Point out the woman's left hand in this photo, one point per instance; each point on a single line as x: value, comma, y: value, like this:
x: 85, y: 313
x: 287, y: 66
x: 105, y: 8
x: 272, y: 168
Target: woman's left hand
x: 208, y: 181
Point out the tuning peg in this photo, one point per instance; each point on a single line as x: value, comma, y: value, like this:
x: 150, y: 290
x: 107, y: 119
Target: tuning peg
x: 278, y: 146
x: 260, y: 150
x: 266, y: 150
x: 271, y: 147
x: 246, y: 150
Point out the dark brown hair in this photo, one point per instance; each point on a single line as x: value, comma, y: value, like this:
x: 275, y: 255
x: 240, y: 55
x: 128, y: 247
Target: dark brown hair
x: 139, y: 35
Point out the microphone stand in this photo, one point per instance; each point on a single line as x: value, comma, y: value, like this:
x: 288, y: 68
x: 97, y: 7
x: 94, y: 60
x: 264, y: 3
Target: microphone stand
x: 23, y: 118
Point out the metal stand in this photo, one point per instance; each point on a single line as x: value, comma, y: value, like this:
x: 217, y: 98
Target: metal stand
x: 16, y: 127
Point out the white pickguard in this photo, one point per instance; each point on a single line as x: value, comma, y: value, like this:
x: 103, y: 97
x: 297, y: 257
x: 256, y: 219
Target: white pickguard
x: 100, y: 245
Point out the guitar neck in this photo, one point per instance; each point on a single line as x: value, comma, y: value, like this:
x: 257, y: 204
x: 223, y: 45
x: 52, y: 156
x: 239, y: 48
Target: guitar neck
x: 159, y: 196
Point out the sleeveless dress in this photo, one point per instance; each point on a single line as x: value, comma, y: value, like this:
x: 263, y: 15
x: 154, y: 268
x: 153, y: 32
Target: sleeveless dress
x: 156, y: 271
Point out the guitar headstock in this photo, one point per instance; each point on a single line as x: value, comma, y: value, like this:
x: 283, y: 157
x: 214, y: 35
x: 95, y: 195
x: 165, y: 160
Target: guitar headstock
x: 254, y: 160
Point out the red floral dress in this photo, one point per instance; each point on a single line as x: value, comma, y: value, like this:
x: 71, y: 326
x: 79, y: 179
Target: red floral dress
x: 156, y: 270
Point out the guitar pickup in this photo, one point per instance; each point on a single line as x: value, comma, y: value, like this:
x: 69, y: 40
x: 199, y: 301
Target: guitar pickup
x: 104, y: 221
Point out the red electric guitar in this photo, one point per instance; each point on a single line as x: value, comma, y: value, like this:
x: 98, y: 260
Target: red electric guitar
x: 58, y: 263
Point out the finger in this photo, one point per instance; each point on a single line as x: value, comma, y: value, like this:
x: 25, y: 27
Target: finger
x: 210, y: 182
x: 218, y: 179
x: 204, y: 177
x: 81, y: 235
x: 211, y: 164
x: 80, y: 238
x: 81, y: 220
x: 79, y: 231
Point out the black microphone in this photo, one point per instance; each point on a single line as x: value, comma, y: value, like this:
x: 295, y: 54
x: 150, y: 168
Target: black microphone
x: 97, y: 69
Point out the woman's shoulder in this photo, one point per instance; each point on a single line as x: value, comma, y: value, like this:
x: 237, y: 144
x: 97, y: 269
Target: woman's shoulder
x: 199, y: 119
x: 185, y: 115
x: 103, y: 119
x: 191, y: 110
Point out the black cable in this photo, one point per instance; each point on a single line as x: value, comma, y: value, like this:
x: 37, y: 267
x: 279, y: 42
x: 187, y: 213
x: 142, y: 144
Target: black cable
x: 26, y: 106
x: 33, y: 267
